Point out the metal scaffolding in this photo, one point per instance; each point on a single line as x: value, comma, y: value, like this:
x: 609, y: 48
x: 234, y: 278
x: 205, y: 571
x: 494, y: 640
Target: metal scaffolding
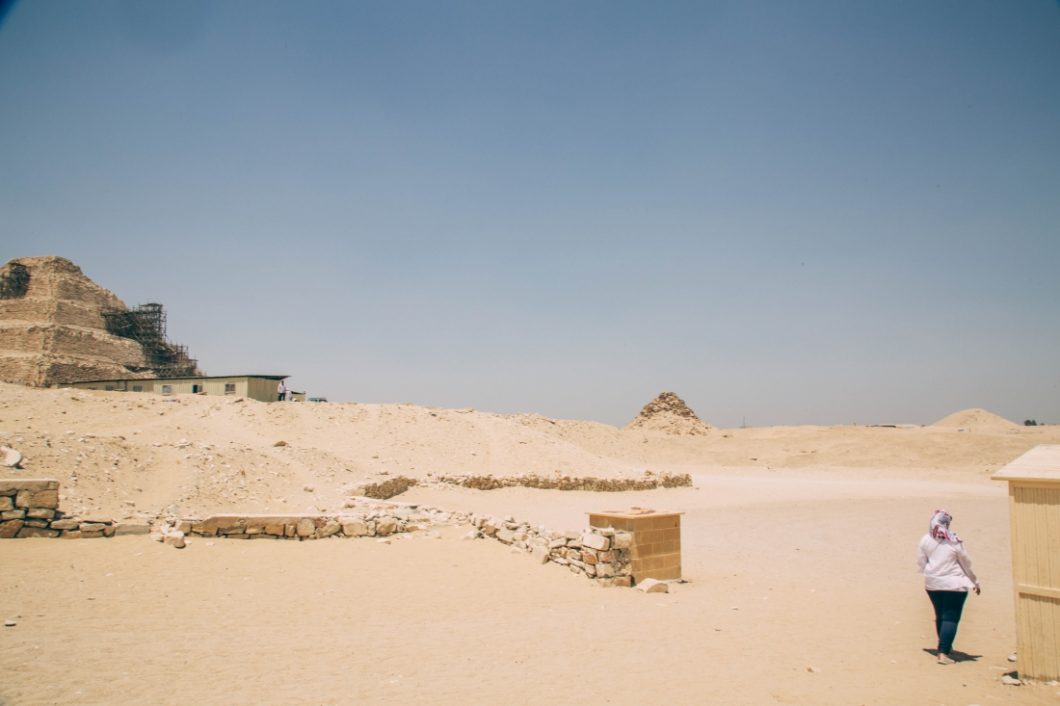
x: 146, y: 324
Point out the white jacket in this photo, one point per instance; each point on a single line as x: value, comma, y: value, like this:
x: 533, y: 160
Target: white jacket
x: 945, y: 565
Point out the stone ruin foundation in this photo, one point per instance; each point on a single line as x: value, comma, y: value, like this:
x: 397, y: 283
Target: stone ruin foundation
x: 620, y: 548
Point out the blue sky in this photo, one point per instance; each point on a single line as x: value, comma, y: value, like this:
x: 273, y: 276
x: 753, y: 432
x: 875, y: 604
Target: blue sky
x: 786, y: 212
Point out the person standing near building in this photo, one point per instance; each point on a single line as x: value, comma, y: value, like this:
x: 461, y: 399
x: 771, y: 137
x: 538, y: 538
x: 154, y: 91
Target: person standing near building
x: 281, y: 392
x: 948, y: 577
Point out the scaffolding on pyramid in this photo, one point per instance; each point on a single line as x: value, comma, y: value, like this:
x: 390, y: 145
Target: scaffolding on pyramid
x: 146, y: 324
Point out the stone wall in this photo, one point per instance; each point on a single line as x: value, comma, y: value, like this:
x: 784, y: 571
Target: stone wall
x: 600, y: 553
x: 30, y: 508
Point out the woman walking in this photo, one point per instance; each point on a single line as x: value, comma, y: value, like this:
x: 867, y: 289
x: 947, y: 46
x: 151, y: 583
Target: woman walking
x: 948, y: 577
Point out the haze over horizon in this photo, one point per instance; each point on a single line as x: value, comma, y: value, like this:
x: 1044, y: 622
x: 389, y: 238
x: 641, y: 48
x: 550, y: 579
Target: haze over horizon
x: 811, y: 213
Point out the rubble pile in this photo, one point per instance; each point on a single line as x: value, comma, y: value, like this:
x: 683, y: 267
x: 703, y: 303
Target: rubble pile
x: 669, y: 414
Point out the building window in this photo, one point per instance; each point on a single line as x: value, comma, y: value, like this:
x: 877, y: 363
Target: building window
x: 167, y: 389
x: 138, y: 388
x: 109, y: 388
x: 230, y: 388
x: 196, y: 389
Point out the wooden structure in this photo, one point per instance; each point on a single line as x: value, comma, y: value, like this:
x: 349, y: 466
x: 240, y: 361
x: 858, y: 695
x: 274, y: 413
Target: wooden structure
x: 656, y: 548
x: 255, y: 387
x: 1034, y: 512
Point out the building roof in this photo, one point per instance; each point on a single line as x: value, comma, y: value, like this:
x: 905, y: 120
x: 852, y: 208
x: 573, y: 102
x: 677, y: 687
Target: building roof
x: 183, y: 377
x: 1040, y: 463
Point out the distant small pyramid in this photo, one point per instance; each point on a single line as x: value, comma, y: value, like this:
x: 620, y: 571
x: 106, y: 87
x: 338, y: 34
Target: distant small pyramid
x: 975, y: 418
x: 669, y: 414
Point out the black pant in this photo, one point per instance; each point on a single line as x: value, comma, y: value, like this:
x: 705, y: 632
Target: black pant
x: 948, y: 606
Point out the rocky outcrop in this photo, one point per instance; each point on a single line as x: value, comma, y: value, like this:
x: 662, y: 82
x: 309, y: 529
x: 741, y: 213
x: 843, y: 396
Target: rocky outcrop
x: 669, y: 414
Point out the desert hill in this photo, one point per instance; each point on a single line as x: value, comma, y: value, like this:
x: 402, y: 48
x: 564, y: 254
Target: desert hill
x: 52, y: 328
x: 128, y: 454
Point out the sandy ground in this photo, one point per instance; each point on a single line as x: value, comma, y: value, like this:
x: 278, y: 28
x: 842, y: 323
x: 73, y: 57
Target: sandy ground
x: 802, y: 586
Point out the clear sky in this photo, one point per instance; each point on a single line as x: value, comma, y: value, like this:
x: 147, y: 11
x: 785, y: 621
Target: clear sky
x: 786, y: 212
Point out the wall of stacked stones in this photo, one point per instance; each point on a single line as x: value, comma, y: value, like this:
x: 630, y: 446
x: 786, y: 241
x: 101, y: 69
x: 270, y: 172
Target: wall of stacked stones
x: 603, y: 554
x: 30, y: 508
x: 34, y: 310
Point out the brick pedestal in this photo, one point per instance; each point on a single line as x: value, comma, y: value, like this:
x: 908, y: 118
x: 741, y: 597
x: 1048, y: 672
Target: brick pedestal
x: 656, y: 550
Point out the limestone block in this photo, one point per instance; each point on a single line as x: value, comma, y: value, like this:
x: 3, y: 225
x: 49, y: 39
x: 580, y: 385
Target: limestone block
x: 330, y: 527
x: 40, y: 513
x: 22, y: 498
x: 6, y: 503
x: 622, y: 581
x: 13, y: 514
x: 355, y: 528
x: 596, y: 541
x: 589, y: 557
x: 622, y: 540
x: 45, y: 498
x: 290, y: 530
x: 175, y: 539
x: 108, y: 531
x: 37, y: 532
x: 127, y: 528
x: 12, y: 458
x: 91, y: 527
x: 253, y: 530
x: 385, y: 526
x: 305, y: 528
x: 573, y: 555
x: 67, y: 523
x: 185, y: 526
x: 274, y: 529
x: 10, y: 528
x: 71, y: 534
x: 557, y: 543
x: 11, y: 486
x: 505, y: 536
x: 653, y: 586
x: 604, y: 570
x: 91, y: 534
x: 36, y: 523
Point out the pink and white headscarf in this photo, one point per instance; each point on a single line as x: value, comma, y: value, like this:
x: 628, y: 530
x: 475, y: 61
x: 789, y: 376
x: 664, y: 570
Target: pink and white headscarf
x: 940, y: 527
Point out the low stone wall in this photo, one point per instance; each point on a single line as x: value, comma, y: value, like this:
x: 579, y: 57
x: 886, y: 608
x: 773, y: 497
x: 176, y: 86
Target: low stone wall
x: 602, y: 554
x: 366, y: 521
x: 30, y: 508
x: 649, y: 481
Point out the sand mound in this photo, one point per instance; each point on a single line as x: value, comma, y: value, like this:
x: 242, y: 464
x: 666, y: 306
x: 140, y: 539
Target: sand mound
x: 975, y: 418
x: 669, y: 414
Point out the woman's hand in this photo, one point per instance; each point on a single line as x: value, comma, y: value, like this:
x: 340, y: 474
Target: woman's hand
x: 976, y: 589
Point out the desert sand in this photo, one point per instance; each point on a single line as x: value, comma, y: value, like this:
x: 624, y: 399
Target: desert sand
x: 798, y: 554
